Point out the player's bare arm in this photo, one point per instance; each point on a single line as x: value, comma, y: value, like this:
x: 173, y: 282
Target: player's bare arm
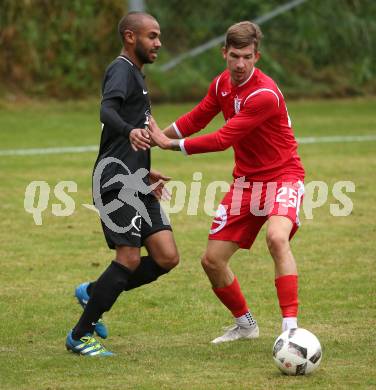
x: 160, y: 138
x: 170, y: 132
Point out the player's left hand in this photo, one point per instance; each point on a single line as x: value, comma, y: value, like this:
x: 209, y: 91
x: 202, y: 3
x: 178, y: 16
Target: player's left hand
x: 160, y: 192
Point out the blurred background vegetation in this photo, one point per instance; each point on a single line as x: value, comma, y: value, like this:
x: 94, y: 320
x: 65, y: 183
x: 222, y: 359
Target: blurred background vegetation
x: 60, y: 49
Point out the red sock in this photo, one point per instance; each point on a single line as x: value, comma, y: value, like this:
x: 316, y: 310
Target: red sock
x: 287, y: 291
x: 232, y: 297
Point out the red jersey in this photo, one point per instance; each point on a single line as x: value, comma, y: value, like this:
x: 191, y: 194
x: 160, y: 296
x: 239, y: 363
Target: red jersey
x: 257, y: 127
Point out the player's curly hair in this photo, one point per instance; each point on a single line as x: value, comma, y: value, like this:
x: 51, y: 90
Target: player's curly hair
x: 243, y: 34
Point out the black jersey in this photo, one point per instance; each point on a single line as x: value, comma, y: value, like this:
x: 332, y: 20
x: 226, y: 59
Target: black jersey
x: 124, y: 82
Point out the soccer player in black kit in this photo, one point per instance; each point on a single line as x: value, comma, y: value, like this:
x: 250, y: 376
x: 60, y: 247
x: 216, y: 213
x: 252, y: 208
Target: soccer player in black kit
x: 125, y: 190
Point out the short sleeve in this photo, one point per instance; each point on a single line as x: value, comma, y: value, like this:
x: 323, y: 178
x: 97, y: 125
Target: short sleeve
x: 117, y: 82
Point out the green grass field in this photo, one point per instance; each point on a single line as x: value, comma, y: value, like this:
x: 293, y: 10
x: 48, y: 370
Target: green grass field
x: 161, y: 332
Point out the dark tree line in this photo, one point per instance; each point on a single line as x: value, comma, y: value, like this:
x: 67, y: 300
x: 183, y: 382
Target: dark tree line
x: 60, y: 48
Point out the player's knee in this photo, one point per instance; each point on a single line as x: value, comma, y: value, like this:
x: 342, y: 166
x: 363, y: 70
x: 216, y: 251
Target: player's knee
x: 129, y: 260
x: 171, y: 259
x: 276, y: 241
x: 209, y: 263
x: 168, y: 258
x: 133, y: 262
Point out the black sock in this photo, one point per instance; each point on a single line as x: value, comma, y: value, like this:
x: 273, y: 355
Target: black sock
x: 89, y: 288
x: 106, y: 290
x: 145, y: 273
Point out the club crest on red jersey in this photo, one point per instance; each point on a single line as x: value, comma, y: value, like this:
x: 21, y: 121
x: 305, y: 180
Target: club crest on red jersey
x: 237, y: 103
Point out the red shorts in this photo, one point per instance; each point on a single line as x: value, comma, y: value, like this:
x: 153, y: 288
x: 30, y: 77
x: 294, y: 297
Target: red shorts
x: 244, y: 209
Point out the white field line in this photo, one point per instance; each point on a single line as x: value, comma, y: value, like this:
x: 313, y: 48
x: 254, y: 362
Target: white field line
x: 39, y: 151
x: 94, y: 148
x: 336, y: 138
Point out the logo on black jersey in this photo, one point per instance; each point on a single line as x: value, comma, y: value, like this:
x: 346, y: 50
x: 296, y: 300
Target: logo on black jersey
x: 147, y: 117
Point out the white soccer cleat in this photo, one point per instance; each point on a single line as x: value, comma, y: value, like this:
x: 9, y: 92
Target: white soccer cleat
x: 236, y: 332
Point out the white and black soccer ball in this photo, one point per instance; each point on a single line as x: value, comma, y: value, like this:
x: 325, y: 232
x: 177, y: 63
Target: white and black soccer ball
x: 297, y: 352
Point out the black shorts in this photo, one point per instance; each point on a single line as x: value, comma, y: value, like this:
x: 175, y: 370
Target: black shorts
x: 130, y: 226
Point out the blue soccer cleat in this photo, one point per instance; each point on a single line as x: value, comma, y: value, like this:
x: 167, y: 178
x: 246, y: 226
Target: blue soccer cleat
x: 86, y: 346
x: 83, y: 298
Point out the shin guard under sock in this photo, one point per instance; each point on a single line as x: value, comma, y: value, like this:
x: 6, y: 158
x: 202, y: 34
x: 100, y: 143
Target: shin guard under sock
x: 145, y: 273
x: 287, y: 291
x: 232, y: 297
x: 148, y: 271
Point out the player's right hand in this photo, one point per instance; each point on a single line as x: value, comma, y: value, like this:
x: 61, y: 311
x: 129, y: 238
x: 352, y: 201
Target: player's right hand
x: 156, y: 134
x: 140, y: 139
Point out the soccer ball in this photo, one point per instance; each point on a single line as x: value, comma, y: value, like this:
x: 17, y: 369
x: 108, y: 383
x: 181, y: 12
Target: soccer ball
x: 297, y: 352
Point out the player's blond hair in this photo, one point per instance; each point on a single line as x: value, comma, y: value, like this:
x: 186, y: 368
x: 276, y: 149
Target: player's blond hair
x: 243, y: 34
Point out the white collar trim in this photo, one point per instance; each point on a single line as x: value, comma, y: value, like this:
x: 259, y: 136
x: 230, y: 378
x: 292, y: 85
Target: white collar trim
x: 246, y: 81
x: 126, y: 59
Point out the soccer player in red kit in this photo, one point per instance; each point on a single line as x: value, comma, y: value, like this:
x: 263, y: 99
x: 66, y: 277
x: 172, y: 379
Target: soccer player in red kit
x: 268, y: 176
